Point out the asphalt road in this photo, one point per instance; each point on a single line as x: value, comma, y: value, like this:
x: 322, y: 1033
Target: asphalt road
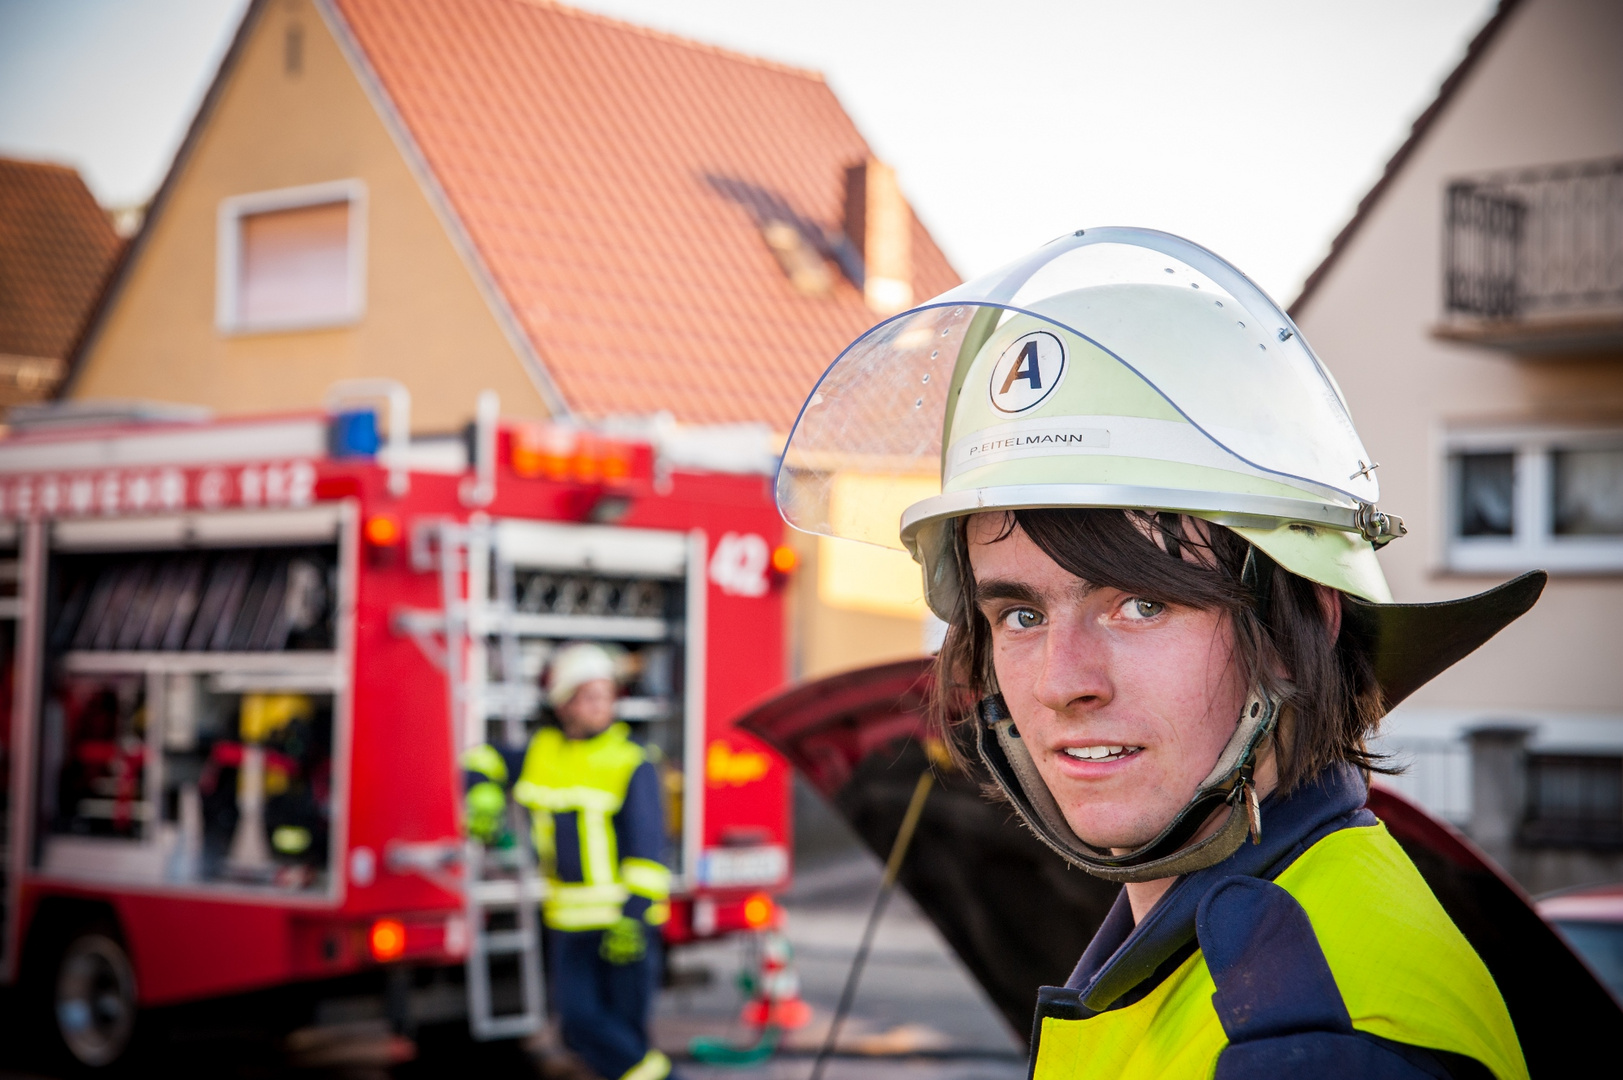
x: 917, y: 1013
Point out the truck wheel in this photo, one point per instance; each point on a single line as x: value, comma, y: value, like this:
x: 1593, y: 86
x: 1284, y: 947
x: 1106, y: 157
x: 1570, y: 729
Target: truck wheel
x: 94, y: 1002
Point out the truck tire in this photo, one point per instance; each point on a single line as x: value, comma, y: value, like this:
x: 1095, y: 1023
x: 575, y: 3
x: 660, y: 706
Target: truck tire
x: 93, y: 999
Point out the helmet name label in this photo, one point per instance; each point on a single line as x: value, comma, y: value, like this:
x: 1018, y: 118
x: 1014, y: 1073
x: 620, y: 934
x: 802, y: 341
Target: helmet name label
x: 1026, y: 438
x: 1030, y: 369
x: 1118, y: 436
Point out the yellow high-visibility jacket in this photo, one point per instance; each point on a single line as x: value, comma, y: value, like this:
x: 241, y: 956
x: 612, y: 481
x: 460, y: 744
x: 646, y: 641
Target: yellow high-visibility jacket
x: 1333, y: 961
x: 597, y: 822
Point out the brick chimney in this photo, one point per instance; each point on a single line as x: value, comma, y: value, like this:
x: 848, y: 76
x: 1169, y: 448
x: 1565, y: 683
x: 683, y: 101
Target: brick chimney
x: 879, y: 225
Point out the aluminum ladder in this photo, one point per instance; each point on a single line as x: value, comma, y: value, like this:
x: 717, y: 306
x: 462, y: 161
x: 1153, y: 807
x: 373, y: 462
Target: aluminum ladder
x: 502, y: 888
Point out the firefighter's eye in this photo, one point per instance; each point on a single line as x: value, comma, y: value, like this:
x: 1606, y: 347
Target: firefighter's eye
x: 1139, y: 608
x: 1023, y: 618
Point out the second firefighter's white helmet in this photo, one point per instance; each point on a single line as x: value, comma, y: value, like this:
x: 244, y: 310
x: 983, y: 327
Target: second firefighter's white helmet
x: 1111, y: 368
x: 573, y: 666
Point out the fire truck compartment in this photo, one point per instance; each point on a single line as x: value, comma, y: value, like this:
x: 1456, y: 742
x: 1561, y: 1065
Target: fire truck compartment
x: 187, y: 715
x: 624, y: 588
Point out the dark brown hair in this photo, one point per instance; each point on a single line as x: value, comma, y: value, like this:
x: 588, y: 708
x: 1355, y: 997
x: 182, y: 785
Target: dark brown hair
x: 1330, y: 688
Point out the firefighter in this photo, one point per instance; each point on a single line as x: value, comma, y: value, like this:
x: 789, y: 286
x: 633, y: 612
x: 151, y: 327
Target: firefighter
x: 1144, y: 514
x: 598, y: 827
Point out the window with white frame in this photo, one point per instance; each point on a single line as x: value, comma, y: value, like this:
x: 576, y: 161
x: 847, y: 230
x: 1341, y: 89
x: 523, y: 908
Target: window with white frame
x: 292, y: 259
x: 1550, y: 498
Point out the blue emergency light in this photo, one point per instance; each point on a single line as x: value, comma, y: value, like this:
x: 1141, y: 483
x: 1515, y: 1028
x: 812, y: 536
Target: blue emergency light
x: 353, y: 433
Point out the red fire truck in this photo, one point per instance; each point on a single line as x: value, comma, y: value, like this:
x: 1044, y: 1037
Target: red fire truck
x: 243, y: 657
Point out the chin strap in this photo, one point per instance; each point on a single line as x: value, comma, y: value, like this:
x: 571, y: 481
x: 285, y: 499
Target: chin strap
x: 1230, y: 782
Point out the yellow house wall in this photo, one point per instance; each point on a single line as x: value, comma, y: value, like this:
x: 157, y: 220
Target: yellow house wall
x: 426, y: 321
x: 831, y: 637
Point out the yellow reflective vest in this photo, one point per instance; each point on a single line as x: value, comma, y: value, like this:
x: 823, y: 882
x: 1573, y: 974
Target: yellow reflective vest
x: 1404, y: 972
x: 598, y: 828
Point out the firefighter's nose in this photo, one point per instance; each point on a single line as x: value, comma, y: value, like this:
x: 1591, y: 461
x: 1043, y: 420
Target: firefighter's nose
x: 1075, y: 669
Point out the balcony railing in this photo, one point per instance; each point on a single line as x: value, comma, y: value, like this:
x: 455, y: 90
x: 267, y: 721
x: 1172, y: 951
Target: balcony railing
x: 1574, y: 800
x: 1535, y: 243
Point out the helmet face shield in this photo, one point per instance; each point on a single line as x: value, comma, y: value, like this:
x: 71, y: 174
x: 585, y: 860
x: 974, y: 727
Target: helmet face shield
x: 1120, y: 359
x: 867, y: 444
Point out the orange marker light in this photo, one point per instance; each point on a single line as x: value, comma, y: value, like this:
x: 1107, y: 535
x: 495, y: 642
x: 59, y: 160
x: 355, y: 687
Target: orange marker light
x: 616, y: 463
x: 758, y: 911
x: 785, y: 559
x: 382, y: 531
x: 388, y: 939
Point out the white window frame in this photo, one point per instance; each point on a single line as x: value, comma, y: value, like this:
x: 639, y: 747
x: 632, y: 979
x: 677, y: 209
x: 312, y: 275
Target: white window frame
x: 1533, y: 544
x: 228, y: 253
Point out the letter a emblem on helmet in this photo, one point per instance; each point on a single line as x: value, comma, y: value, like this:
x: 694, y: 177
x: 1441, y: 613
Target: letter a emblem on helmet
x: 1028, y: 371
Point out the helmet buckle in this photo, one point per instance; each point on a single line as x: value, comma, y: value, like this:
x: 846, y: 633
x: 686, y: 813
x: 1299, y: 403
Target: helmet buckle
x: 1377, y: 527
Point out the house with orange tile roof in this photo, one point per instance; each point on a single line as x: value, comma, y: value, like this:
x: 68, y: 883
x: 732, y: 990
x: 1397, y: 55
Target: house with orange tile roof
x: 56, y: 249
x: 595, y: 220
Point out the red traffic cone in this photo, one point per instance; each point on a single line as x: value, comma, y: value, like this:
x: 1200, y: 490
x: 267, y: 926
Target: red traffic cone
x: 777, y: 998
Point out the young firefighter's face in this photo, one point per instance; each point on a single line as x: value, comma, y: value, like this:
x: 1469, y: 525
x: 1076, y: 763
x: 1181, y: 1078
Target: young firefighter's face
x: 589, y: 711
x: 1123, y: 701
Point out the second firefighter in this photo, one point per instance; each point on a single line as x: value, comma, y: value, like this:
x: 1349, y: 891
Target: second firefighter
x: 599, y: 831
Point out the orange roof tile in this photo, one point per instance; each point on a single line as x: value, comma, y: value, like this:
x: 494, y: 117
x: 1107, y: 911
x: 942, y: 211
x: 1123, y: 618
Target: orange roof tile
x: 56, y: 247
x: 614, y: 180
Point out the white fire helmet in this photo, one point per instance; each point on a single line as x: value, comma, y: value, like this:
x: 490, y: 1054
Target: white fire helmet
x: 1111, y: 368
x: 1125, y: 368
x: 573, y: 666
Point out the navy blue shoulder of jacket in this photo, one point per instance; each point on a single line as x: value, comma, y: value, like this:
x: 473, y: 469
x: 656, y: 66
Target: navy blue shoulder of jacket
x: 1279, y: 1003
x: 639, y: 825
x: 1124, y: 962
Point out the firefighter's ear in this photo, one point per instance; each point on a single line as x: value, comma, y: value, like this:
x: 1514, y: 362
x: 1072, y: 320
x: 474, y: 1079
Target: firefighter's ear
x: 1330, y: 606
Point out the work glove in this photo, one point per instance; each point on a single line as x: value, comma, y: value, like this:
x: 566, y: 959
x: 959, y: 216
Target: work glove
x: 485, y: 803
x: 624, y: 942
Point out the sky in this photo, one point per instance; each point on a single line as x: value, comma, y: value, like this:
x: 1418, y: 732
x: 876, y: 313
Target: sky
x: 1250, y: 126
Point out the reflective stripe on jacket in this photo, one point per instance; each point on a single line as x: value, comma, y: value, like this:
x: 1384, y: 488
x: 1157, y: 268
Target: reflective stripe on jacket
x: 1338, y: 967
x: 599, y: 828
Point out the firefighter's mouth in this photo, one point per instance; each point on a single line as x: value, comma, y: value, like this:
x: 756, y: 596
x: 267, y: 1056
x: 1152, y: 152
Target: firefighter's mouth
x: 1100, y: 753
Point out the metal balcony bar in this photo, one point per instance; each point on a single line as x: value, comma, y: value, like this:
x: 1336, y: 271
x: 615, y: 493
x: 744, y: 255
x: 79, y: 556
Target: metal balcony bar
x: 1542, y: 241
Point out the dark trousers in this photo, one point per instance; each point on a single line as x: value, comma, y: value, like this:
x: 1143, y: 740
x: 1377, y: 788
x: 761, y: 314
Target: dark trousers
x: 603, y: 1007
